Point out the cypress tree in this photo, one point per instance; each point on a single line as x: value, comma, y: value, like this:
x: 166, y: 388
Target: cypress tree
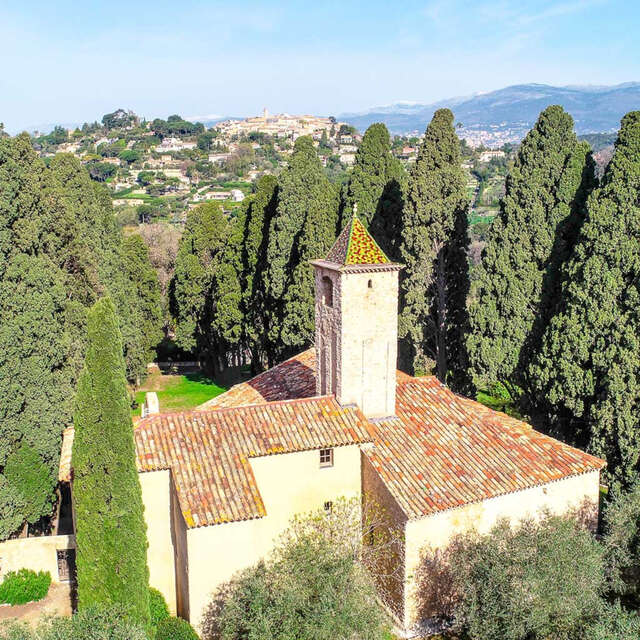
x: 145, y: 289
x: 587, y: 372
x: 433, y: 245
x: 531, y: 237
x: 111, y: 532
x: 303, y: 228
x: 36, y: 376
x: 201, y: 251
x: 376, y: 184
x: 254, y: 221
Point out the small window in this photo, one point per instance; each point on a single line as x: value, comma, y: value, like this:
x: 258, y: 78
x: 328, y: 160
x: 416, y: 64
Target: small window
x: 370, y: 284
x: 328, y: 506
x: 326, y: 457
x: 327, y: 291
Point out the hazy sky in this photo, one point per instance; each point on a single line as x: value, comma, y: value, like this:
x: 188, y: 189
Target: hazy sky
x: 74, y: 61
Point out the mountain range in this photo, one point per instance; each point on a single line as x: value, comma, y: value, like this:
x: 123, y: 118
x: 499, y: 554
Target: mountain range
x: 594, y: 108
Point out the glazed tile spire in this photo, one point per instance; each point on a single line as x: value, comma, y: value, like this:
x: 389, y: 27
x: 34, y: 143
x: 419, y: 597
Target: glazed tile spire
x: 355, y: 245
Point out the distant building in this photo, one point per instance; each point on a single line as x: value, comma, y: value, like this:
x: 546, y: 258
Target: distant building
x: 237, y: 195
x: 487, y: 156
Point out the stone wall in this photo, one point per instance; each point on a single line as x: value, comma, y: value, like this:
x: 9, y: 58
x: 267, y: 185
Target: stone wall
x: 37, y: 553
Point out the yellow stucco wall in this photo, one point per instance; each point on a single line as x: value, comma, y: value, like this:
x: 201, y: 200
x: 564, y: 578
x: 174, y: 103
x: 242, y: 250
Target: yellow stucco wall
x: 289, y: 484
x: 37, y: 554
x: 156, y: 495
x: 437, y: 530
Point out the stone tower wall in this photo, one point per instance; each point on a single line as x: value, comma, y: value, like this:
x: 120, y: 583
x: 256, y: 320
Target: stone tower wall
x: 357, y: 337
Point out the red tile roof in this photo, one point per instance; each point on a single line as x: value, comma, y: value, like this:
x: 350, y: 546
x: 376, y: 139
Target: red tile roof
x: 355, y: 245
x: 293, y: 378
x: 208, y: 451
x: 443, y: 451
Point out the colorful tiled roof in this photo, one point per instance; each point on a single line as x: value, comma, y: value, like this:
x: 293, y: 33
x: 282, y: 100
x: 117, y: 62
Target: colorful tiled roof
x: 208, y: 451
x: 443, y: 451
x: 355, y: 245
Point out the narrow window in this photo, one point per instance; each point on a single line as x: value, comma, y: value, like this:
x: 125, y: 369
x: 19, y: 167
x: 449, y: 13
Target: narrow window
x: 328, y: 506
x: 326, y: 457
x: 370, y: 284
x: 327, y: 291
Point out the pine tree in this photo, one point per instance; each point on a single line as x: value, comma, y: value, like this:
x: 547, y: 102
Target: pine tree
x: 376, y: 185
x: 433, y: 245
x: 531, y: 237
x: 111, y: 532
x: 586, y: 375
x: 303, y: 228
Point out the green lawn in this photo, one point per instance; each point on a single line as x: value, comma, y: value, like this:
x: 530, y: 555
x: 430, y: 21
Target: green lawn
x: 178, y: 392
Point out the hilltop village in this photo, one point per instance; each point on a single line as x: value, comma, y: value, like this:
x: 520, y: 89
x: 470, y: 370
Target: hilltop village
x: 157, y: 170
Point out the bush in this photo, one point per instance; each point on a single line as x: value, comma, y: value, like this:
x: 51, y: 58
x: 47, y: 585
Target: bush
x: 157, y: 607
x: 310, y: 588
x: 542, y: 579
x: 24, y: 586
x: 88, y: 624
x: 175, y: 629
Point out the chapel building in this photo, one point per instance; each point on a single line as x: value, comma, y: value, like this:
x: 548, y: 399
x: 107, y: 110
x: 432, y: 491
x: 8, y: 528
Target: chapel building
x: 220, y: 483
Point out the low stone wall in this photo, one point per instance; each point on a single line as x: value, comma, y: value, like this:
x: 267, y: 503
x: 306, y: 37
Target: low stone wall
x: 38, y: 553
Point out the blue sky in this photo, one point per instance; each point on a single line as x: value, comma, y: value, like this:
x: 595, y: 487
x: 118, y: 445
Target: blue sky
x: 73, y: 61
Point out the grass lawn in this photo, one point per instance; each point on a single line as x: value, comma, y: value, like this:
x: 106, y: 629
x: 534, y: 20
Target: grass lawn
x: 178, y: 392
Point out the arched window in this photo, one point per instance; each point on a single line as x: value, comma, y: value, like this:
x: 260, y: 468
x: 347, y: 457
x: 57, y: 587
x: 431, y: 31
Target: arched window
x: 370, y: 284
x: 327, y: 291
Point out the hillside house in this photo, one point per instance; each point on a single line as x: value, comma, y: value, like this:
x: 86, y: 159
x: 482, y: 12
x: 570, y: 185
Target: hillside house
x: 340, y: 419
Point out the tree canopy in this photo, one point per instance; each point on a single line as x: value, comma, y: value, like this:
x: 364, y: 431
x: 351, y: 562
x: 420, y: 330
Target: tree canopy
x: 516, y: 285
x: 433, y: 244
x: 586, y: 376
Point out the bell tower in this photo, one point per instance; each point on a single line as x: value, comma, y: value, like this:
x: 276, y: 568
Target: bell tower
x: 356, y: 307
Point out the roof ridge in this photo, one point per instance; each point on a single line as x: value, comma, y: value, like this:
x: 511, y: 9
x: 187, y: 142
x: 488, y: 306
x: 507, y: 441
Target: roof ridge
x: 270, y: 403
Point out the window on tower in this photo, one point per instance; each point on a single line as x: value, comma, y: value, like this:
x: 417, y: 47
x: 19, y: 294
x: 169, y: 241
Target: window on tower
x: 327, y: 291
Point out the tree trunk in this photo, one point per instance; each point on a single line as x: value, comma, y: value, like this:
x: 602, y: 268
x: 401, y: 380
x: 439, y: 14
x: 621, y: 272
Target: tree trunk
x: 441, y: 316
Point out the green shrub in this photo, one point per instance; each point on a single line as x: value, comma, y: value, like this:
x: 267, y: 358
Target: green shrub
x: 88, y: 624
x: 157, y: 607
x: 175, y: 629
x: 24, y: 586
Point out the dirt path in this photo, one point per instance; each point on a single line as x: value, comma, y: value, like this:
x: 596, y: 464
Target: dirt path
x: 57, y: 602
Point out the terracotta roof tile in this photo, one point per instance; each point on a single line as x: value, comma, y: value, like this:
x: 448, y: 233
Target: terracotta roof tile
x: 208, y: 451
x: 443, y: 451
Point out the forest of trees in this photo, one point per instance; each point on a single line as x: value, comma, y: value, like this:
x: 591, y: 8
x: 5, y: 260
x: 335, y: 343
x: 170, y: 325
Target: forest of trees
x: 549, y: 318
x: 60, y: 250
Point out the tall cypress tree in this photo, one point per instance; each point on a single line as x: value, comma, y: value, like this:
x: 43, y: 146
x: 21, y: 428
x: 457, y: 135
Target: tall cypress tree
x: 111, y: 532
x: 532, y: 235
x: 434, y: 284
x: 303, y: 227
x: 587, y: 374
x: 36, y: 373
x: 144, y: 287
x: 202, y: 251
x: 376, y: 184
x: 254, y: 222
